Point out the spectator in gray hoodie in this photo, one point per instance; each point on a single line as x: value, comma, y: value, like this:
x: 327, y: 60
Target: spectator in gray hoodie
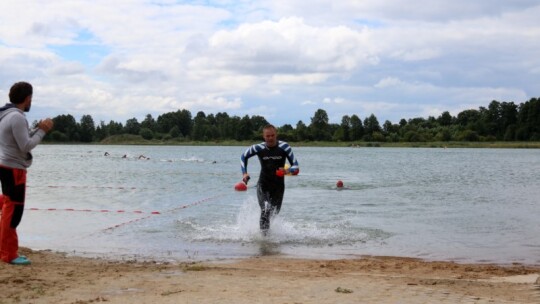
x: 16, y: 142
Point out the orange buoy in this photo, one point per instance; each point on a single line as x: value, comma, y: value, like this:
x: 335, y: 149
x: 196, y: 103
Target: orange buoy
x: 240, y: 186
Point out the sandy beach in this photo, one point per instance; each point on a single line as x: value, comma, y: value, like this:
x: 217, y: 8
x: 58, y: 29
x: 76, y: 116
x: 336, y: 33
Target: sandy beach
x: 57, y: 278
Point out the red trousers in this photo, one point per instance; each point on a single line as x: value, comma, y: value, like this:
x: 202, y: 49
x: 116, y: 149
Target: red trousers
x: 12, y: 206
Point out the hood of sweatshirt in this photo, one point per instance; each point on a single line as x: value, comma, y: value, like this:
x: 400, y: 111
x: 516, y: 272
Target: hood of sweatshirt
x: 6, y: 109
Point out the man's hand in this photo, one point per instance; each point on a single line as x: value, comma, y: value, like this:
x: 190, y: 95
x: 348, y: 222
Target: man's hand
x: 294, y: 170
x: 46, y: 125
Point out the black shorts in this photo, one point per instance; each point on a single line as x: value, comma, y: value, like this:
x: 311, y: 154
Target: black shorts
x: 14, y: 187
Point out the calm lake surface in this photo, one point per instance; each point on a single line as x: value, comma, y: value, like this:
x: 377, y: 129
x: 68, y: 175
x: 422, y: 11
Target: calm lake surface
x: 464, y: 205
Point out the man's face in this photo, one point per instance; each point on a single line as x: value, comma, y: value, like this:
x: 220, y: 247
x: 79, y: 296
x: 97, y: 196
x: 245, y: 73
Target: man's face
x: 28, y: 104
x: 270, y: 137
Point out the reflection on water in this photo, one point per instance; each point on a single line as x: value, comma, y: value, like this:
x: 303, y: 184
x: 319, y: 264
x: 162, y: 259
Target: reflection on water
x: 268, y: 248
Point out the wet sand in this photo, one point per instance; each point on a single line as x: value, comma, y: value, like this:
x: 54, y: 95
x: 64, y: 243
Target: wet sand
x: 57, y: 278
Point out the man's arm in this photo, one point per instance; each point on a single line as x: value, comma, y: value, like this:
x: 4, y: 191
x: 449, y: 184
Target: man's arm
x: 294, y: 169
x: 251, y: 151
x: 21, y: 134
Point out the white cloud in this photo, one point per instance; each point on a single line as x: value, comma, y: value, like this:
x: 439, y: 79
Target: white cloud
x: 314, y: 78
x: 333, y: 100
x: 388, y: 82
x: 308, y: 102
x: 289, y: 46
x: 281, y: 59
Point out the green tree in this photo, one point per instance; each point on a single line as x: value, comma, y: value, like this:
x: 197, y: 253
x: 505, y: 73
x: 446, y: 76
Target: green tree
x: 529, y: 120
x: 389, y: 128
x: 413, y: 136
x: 344, y: 130
x: 468, y: 135
x: 258, y: 123
x: 286, y: 132
x: 319, y: 125
x: 357, y: 128
x: 66, y: 125
x: 87, y: 128
x: 445, y: 119
x: 245, y: 129
x: 149, y: 122
x: 199, y: 127
x: 146, y: 133
x: 509, y: 118
x: 371, y: 125
x: 302, y: 131
x: 180, y: 118
x: 175, y: 132
x: 101, y: 131
x: 132, y: 126
x: 114, y: 128
x: 58, y: 136
x: 224, y: 125
x: 444, y: 134
x: 468, y: 117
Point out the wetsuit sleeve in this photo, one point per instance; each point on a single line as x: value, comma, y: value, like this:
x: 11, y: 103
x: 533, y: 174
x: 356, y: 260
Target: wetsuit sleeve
x: 290, y: 155
x: 251, y: 151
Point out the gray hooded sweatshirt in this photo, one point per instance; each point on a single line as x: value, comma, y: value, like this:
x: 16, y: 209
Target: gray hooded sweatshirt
x: 16, y: 140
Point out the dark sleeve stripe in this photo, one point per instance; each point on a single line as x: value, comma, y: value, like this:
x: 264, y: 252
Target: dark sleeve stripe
x: 251, y: 151
x: 290, y: 155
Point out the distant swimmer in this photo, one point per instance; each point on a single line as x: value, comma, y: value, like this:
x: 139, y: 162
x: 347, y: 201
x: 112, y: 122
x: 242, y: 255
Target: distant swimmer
x: 271, y: 186
x: 340, y: 185
x: 106, y: 154
x: 143, y: 157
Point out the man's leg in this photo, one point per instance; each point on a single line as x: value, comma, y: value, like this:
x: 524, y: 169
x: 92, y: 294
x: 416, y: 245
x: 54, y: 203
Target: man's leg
x: 270, y: 203
x: 267, y: 209
x: 9, y: 242
x: 14, y: 188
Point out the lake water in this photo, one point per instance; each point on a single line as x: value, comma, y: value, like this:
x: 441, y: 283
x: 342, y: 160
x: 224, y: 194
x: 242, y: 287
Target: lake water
x: 464, y: 205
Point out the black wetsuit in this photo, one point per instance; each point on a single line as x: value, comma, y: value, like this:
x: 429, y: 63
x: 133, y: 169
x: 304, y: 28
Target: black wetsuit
x: 270, y: 187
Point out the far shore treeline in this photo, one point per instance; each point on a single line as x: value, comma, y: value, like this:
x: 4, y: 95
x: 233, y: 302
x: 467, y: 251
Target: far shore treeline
x: 500, y: 121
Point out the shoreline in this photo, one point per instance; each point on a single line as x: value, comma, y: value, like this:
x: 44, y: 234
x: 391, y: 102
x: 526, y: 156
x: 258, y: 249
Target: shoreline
x: 59, y: 278
x: 322, y: 144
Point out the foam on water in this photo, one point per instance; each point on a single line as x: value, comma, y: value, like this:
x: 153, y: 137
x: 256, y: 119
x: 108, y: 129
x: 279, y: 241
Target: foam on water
x: 245, y: 229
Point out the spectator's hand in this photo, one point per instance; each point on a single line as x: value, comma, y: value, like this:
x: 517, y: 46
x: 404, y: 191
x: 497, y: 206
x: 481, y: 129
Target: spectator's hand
x: 46, y: 125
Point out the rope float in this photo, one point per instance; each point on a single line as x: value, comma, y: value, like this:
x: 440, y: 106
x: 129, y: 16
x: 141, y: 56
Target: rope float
x: 93, y: 187
x: 90, y: 210
x: 194, y: 203
x: 125, y: 223
x: 167, y: 211
x: 150, y: 214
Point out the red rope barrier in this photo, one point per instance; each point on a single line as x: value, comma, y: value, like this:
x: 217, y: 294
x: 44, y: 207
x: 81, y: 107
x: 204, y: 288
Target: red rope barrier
x: 167, y: 211
x: 150, y: 214
x: 91, y: 187
x: 89, y: 210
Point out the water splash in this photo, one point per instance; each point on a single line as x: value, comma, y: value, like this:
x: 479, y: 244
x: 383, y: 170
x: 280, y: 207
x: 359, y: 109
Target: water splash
x: 245, y: 229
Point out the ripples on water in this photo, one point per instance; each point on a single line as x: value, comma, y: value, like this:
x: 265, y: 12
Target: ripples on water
x: 451, y: 204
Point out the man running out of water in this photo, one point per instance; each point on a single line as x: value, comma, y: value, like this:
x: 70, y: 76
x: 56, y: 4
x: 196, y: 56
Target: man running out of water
x: 271, y: 186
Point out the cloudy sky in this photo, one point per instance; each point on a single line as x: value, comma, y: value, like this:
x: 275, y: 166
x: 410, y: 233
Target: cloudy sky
x: 281, y: 59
